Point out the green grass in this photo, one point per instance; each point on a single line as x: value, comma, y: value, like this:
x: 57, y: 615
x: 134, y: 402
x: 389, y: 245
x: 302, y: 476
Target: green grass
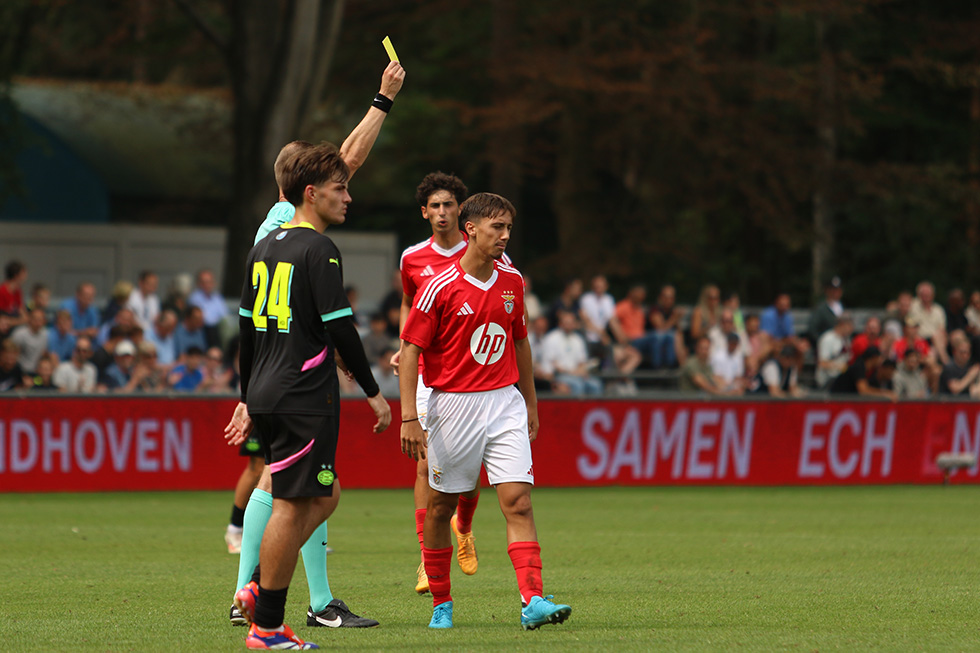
x: 700, y: 569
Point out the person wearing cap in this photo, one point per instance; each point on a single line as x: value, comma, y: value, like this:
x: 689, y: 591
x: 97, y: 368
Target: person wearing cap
x: 119, y: 374
x: 824, y: 315
x: 857, y: 379
x: 779, y: 376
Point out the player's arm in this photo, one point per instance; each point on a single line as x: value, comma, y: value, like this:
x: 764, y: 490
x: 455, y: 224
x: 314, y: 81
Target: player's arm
x: 413, y: 438
x: 356, y: 147
x: 525, y: 383
x: 240, y: 424
x: 348, y: 344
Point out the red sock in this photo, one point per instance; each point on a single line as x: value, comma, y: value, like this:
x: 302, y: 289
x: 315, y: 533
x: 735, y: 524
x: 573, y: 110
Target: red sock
x: 437, y: 563
x: 526, y: 557
x: 419, y: 523
x: 464, y: 513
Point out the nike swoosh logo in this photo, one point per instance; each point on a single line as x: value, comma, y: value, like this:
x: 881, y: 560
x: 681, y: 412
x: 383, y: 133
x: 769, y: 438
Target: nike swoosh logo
x: 324, y: 544
x: 333, y: 623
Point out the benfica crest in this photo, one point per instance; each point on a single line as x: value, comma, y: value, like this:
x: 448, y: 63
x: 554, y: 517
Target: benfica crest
x: 508, y: 303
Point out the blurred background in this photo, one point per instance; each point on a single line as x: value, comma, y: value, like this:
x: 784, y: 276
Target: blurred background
x: 765, y: 145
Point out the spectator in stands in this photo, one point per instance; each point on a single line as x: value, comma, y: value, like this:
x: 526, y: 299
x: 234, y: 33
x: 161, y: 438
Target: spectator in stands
x: 143, y: 301
x: 603, y: 334
x: 759, y: 345
x: 899, y: 308
x: 697, y: 374
x: 564, y: 354
x: 190, y: 332
x: 41, y: 298
x: 212, y: 305
x: 187, y: 376
x: 6, y: 327
x: 931, y: 318
x: 61, y: 339
x: 392, y: 303
x: 734, y: 304
x: 956, y: 311
x: 217, y: 376
x: 117, y: 301
x: 178, y: 291
x: 779, y: 376
x: 824, y: 315
x: 531, y: 302
x: 12, y: 293
x: 567, y: 301
x: 118, y: 376
x: 867, y: 338
x: 85, y: 317
x: 41, y: 379
x: 543, y: 379
x: 856, y: 379
x: 353, y: 298
x: 910, y: 381
x: 972, y: 313
x: 151, y: 376
x: 77, y: 374
x: 883, y: 379
x: 706, y: 313
x: 11, y: 373
x: 163, y: 338
x: 125, y: 319
x: 728, y: 364
x: 102, y: 356
x: 958, y: 375
x: 834, y: 351
x: 718, y: 334
x: 32, y: 338
x: 777, y: 322
x: 376, y: 339
x: 631, y: 316
x: 384, y: 374
x: 665, y: 329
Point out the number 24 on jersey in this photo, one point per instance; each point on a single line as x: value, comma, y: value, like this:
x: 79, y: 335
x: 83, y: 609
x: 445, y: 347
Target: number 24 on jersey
x: 275, y: 295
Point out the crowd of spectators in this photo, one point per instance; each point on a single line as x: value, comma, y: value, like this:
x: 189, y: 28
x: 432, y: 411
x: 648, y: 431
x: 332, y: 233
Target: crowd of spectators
x: 584, y: 342
x: 135, y: 343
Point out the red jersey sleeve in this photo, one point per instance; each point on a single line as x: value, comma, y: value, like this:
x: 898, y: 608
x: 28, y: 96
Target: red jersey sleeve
x: 420, y: 327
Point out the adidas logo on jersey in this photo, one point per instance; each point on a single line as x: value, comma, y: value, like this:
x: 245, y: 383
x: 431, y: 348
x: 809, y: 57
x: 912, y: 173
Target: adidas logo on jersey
x: 428, y: 271
x: 466, y: 310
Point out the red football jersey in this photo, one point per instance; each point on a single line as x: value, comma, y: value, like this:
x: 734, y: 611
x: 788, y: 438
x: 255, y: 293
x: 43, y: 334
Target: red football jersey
x: 468, y: 328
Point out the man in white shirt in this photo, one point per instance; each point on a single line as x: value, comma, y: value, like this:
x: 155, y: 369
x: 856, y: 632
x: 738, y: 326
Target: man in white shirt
x: 834, y: 350
x: 143, y: 301
x: 729, y: 364
x: 931, y: 319
x: 563, y: 353
x: 32, y: 338
x: 77, y: 374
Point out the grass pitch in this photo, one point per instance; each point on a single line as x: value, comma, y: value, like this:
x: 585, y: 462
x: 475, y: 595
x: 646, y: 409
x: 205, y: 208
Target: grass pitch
x: 700, y: 569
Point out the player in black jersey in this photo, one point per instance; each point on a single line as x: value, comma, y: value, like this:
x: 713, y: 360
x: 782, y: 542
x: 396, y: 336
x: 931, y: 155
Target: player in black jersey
x: 294, y: 319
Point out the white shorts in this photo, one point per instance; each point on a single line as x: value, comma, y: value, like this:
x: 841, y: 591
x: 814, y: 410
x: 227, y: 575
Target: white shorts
x: 467, y: 429
x: 422, y: 402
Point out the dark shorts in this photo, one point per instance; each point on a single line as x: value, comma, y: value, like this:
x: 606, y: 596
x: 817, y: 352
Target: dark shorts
x: 300, y: 449
x: 252, y: 446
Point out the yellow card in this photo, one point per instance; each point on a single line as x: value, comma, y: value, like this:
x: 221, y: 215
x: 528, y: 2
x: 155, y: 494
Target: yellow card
x: 390, y: 49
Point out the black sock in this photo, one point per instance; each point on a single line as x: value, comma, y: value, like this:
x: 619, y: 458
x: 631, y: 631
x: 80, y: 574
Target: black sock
x: 270, y: 609
x: 256, y: 575
x: 237, y: 516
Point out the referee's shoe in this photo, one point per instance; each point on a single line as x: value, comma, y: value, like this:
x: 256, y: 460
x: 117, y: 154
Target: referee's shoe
x: 337, y: 615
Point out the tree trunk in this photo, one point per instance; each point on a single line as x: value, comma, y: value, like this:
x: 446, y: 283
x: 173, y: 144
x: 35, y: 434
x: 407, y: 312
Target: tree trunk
x: 823, y: 212
x: 280, y: 56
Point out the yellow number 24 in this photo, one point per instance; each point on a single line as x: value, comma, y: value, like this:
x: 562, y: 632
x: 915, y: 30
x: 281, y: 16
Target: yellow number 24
x: 277, y: 295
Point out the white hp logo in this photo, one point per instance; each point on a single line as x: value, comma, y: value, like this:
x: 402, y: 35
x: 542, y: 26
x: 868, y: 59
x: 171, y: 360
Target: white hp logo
x: 487, y: 343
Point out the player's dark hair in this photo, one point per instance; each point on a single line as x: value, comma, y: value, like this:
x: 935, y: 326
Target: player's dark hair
x: 13, y: 269
x: 485, y: 205
x: 312, y: 167
x: 436, y: 181
x: 288, y: 150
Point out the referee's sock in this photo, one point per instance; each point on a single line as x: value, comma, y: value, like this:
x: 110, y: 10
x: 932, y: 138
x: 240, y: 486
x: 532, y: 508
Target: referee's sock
x: 257, y: 514
x: 315, y: 562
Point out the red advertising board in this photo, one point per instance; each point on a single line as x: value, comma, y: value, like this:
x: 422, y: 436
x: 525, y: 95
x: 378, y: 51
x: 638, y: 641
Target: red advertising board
x: 117, y: 443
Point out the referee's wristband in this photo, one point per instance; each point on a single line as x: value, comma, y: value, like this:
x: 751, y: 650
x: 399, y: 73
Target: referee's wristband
x: 382, y: 102
x: 406, y: 421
